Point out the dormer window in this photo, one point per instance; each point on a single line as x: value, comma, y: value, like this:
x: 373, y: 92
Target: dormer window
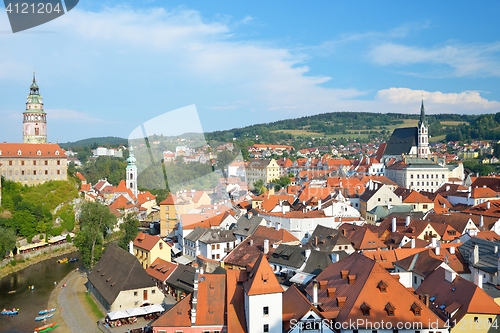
x: 382, y: 286
x: 416, y: 309
x: 38, y: 152
x: 19, y: 152
x: 57, y: 152
x: 365, y: 309
x: 390, y: 308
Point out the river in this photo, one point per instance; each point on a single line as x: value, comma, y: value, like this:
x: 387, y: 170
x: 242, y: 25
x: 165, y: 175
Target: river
x: 42, y: 276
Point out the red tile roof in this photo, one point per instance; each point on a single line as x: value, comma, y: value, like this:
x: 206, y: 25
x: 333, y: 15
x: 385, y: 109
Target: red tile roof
x: 361, y: 283
x: 31, y: 150
x: 161, y: 269
x: 261, y: 279
x: 146, y: 241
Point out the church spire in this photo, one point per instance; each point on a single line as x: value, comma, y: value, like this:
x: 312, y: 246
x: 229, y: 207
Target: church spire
x: 422, y: 114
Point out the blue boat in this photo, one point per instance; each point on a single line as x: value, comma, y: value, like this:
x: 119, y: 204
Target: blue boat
x: 10, y: 312
x: 73, y: 259
x: 46, y: 311
x: 40, y: 318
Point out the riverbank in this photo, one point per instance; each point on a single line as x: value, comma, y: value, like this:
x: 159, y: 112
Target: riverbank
x: 22, y: 263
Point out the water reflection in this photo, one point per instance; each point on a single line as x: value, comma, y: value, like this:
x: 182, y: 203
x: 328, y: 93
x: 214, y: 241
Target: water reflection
x: 15, y: 292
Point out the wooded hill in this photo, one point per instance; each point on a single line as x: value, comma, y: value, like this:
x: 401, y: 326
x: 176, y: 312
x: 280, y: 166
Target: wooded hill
x: 341, y: 126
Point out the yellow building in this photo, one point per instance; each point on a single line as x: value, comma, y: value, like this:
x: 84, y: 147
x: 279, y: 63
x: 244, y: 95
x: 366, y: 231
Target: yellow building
x: 177, y: 204
x: 147, y: 248
x: 265, y: 170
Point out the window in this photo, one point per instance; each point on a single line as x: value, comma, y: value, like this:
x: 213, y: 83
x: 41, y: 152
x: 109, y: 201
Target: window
x: 265, y: 311
x: 424, y: 206
x: 46, y: 172
x: 34, y: 172
x: 153, y: 291
x: 135, y: 293
x: 46, y: 162
x: 218, y: 246
x: 34, y: 162
x: 22, y: 162
x: 213, y: 246
x: 476, y: 319
x: 265, y: 329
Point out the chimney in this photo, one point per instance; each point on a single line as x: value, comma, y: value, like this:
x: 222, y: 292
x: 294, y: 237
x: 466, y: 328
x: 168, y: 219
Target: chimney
x: 408, y: 220
x: 249, y: 215
x: 334, y: 257
x: 488, y: 205
x: 437, y: 250
x: 307, y: 253
x: 478, y: 279
x: 315, y: 240
x: 452, y: 250
x: 495, y: 249
x: 194, y: 300
x: 266, y: 246
x: 393, y: 225
x: 434, y: 242
x: 481, y: 222
x: 447, y: 187
x: 449, y: 275
x: 413, y: 243
x: 315, y: 293
x: 475, y: 255
x: 250, y: 242
x: 268, y: 224
x: 277, y: 226
x: 319, y: 204
x: 426, y: 300
x: 131, y: 247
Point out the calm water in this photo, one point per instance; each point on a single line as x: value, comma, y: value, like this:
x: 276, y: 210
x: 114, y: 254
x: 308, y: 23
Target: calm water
x: 42, y: 276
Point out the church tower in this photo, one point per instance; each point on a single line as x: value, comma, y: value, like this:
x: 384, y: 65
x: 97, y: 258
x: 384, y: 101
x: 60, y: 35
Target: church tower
x: 34, y: 118
x: 423, y: 135
x: 131, y: 172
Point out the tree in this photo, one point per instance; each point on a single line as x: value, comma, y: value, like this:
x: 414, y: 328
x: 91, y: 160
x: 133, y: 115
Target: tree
x: 95, y: 222
x: 259, y: 187
x: 7, y: 241
x: 131, y: 228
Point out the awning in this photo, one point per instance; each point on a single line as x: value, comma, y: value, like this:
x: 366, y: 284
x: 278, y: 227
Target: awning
x: 134, y: 312
x: 184, y: 260
x: 117, y: 315
x: 31, y: 246
x: 154, y: 308
x: 301, y: 278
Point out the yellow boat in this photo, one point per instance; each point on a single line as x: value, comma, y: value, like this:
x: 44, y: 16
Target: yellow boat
x: 62, y: 261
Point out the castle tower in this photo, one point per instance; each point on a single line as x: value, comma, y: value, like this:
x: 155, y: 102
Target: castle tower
x: 34, y: 118
x: 423, y: 135
x: 131, y: 172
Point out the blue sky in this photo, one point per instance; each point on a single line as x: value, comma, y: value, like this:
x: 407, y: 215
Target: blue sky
x: 107, y: 67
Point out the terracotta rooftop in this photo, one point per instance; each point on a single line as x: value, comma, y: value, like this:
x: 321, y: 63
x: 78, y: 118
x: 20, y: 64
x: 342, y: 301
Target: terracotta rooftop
x: 261, y: 279
x: 161, y: 269
x: 146, y: 241
x: 467, y: 297
x: 359, y: 288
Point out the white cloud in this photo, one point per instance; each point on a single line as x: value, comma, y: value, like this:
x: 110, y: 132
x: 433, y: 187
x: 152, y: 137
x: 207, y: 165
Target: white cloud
x: 466, y: 100
x: 463, y: 60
